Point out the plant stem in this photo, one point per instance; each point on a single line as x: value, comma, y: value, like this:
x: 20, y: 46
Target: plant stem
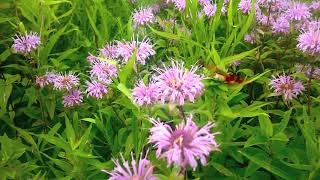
x: 309, y: 91
x: 181, y: 109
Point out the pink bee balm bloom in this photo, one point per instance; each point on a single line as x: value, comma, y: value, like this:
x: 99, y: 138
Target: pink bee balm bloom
x: 176, y: 84
x: 184, y: 144
x: 109, y: 51
x: 281, y: 25
x: 144, y: 95
x: 92, y: 59
x: 204, y: 2
x: 286, y: 86
x: 245, y: 6
x: 103, y: 71
x: 309, y: 42
x: 65, y: 81
x: 42, y: 81
x: 144, y: 50
x: 315, y: 5
x: 143, y: 16
x: 74, y: 97
x: 209, y: 9
x: 180, y: 4
x: 298, y: 11
x: 27, y: 43
x: 96, y: 89
x: 141, y: 170
x: 51, y: 77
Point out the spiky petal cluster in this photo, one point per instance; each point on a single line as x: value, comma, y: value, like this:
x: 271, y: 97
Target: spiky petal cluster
x: 96, y: 89
x: 141, y: 170
x: 144, y: 95
x: 27, y: 43
x: 184, y: 144
x: 73, y: 98
x: 315, y: 5
x: 309, y: 42
x: 298, y: 11
x: 281, y: 25
x: 143, y: 16
x: 209, y: 9
x: 245, y: 6
x: 65, y: 81
x: 180, y: 4
x: 177, y: 85
x: 286, y: 86
x: 144, y: 50
x: 103, y: 71
x: 92, y: 59
x: 109, y: 51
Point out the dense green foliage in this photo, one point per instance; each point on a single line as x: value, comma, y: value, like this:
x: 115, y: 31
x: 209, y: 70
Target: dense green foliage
x: 261, y: 136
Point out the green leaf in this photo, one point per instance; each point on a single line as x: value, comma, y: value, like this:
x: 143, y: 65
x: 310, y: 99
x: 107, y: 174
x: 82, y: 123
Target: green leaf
x: 124, y: 90
x: 256, y: 140
x: 127, y: 70
x: 267, y: 165
x: 223, y: 170
x: 70, y: 131
x: 266, y: 125
x: 231, y: 59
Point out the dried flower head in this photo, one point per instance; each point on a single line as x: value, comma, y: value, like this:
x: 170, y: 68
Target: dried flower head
x: 184, y: 144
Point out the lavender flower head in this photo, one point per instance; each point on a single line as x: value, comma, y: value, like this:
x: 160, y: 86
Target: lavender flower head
x: 109, y: 51
x: 27, y: 43
x: 209, y: 9
x: 96, y: 89
x: 141, y: 170
x: 73, y: 98
x: 309, y: 42
x: 315, y: 5
x: 281, y: 25
x: 144, y: 50
x: 103, y: 71
x: 144, y: 95
x: 286, y: 86
x: 180, y: 4
x: 65, y: 81
x: 245, y: 6
x: 184, y: 144
x: 92, y: 59
x: 143, y: 16
x: 177, y: 85
x: 298, y: 11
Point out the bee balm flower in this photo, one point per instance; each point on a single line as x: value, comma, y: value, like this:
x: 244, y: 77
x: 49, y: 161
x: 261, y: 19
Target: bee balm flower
x: 176, y: 84
x: 74, y: 97
x: 143, y: 16
x: 27, y: 43
x: 309, y: 42
x: 184, y: 144
x: 286, y: 86
x: 145, y: 95
x: 141, y: 170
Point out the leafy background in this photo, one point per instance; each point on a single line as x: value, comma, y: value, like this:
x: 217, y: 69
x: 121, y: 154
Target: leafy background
x: 261, y: 136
